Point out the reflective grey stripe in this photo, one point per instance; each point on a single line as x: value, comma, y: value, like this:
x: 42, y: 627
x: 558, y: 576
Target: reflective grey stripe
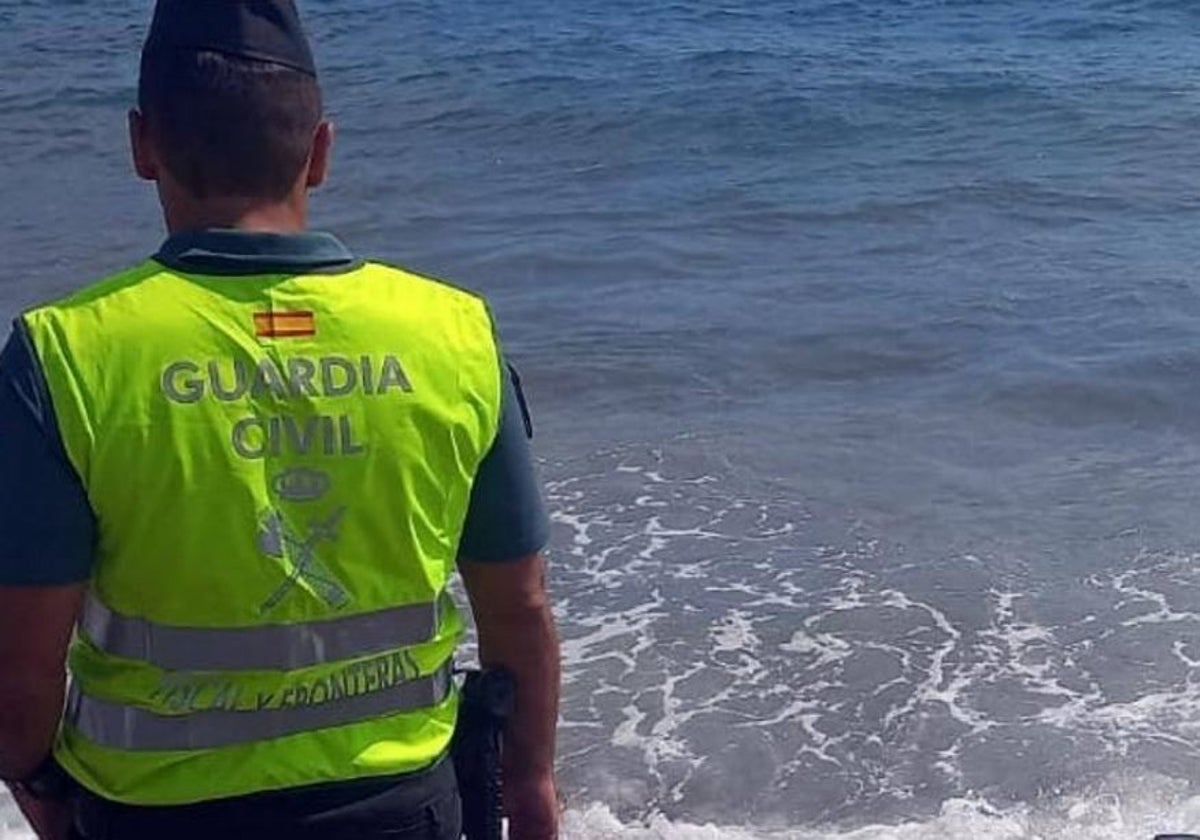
x: 271, y: 647
x: 140, y: 730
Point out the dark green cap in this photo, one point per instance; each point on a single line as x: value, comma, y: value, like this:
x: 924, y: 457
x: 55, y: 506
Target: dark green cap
x: 260, y: 30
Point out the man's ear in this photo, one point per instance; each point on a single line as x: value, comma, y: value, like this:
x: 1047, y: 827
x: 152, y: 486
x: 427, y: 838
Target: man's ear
x: 318, y: 160
x: 145, y: 161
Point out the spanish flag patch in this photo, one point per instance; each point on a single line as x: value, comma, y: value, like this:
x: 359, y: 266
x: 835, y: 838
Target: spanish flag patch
x: 284, y: 324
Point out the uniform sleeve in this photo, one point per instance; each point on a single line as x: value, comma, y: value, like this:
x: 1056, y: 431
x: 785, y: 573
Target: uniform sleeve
x: 506, y: 519
x: 47, y: 528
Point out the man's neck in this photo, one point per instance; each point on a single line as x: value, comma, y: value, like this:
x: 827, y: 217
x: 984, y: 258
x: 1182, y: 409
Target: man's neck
x: 250, y: 215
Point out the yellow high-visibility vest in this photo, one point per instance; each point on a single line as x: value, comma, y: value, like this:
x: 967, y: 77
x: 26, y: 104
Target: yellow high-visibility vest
x: 280, y: 468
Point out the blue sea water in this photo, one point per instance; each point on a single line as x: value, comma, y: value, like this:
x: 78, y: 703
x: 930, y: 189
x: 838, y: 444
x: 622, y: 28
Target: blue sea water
x: 863, y: 340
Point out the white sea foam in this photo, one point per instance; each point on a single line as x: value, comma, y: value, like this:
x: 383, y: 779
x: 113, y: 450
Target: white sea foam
x: 731, y: 653
x: 12, y: 825
x: 1121, y: 810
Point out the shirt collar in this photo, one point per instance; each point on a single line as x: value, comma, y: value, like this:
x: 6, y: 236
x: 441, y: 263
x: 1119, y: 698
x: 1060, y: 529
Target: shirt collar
x: 238, y: 252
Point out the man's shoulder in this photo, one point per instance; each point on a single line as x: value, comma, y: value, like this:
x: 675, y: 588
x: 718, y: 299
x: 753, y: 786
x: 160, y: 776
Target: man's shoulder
x: 114, y: 284
x: 433, y: 285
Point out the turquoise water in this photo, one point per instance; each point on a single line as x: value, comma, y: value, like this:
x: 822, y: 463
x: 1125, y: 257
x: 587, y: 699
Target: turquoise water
x: 862, y: 344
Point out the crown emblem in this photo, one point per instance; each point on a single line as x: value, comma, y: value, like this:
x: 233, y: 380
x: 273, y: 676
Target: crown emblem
x: 301, y: 484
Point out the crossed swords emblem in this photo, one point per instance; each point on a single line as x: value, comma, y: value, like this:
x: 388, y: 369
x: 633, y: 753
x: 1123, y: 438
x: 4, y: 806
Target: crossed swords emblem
x: 276, y: 541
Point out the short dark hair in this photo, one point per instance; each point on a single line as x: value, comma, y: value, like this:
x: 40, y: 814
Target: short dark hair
x: 229, y: 126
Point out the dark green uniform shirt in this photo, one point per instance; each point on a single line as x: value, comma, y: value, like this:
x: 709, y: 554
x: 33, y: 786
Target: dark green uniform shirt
x: 47, y: 528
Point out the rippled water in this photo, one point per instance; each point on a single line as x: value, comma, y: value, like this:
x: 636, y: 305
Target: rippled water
x: 862, y: 342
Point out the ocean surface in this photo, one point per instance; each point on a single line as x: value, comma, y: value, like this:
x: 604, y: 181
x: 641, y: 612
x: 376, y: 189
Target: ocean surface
x: 863, y: 341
